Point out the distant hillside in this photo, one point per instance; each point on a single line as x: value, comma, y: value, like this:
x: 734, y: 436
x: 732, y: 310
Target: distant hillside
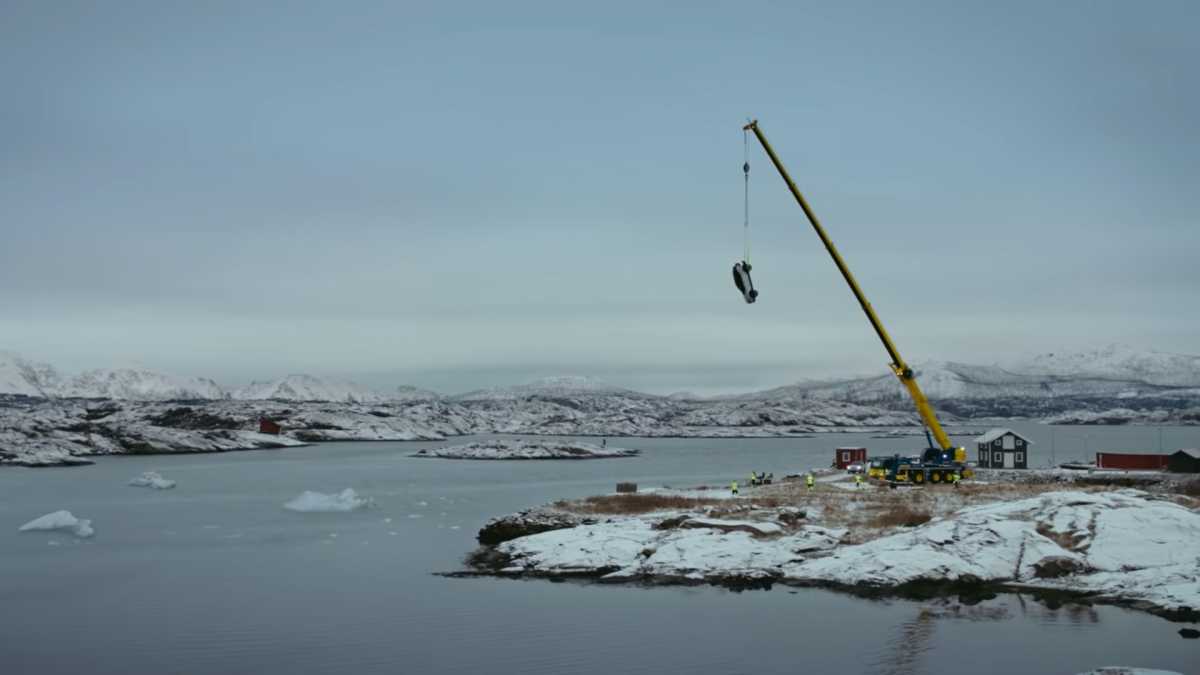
x: 1112, y: 372
x: 309, y: 388
x: 25, y: 377
x: 410, y: 393
x: 140, y: 385
x: 566, y: 386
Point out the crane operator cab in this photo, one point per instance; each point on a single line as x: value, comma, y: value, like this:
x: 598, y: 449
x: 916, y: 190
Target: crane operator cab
x: 741, y: 279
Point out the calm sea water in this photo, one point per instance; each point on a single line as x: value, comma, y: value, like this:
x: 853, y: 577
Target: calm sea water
x: 216, y: 577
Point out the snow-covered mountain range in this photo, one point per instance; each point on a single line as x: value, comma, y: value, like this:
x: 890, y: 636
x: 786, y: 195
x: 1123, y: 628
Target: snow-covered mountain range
x: 46, y: 418
x: 1042, y: 385
x: 1114, y: 372
x: 563, y: 386
x: 25, y: 377
x: 308, y: 388
x: 140, y: 384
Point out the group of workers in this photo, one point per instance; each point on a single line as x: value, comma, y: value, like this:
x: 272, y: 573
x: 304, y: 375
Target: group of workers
x: 756, y: 478
x: 810, y: 480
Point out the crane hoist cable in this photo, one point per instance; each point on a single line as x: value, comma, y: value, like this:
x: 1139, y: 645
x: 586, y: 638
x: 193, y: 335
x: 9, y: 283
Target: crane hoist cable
x: 741, y: 268
x: 746, y: 196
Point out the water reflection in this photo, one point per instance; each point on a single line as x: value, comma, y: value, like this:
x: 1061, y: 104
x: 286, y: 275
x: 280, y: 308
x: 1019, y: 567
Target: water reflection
x: 904, y: 651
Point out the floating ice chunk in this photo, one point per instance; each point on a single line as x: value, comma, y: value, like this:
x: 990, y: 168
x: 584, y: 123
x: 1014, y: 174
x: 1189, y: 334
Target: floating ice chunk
x: 152, y: 479
x: 422, y: 503
x: 60, y: 520
x: 318, y: 502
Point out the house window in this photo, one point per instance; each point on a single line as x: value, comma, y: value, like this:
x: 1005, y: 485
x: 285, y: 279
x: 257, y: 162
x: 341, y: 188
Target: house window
x: 845, y: 457
x: 998, y: 457
x: 983, y: 457
x: 1009, y: 442
x: 1020, y: 458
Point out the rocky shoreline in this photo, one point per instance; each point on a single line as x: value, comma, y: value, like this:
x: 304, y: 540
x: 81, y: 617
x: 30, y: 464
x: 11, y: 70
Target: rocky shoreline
x: 1124, y: 547
x: 63, y: 432
x: 499, y: 449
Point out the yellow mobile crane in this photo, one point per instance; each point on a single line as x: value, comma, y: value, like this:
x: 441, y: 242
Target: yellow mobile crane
x: 937, y: 463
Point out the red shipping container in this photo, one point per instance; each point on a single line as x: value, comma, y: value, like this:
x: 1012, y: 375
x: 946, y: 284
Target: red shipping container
x: 844, y: 457
x: 1129, y: 461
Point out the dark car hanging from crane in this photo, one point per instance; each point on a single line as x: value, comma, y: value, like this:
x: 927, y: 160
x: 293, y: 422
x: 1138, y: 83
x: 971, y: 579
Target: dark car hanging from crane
x: 941, y: 460
x: 741, y: 268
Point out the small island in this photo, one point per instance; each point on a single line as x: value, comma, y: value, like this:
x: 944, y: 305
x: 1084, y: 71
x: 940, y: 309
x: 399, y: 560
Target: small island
x: 1121, y: 546
x: 520, y: 449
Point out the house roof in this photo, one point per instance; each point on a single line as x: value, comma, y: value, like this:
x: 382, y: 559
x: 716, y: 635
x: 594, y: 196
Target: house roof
x: 1191, y: 452
x: 993, y: 434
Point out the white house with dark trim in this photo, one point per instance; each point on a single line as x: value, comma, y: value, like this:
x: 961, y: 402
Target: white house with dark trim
x: 1003, y: 449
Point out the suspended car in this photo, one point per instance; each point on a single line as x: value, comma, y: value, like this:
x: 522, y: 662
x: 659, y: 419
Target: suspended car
x: 741, y: 279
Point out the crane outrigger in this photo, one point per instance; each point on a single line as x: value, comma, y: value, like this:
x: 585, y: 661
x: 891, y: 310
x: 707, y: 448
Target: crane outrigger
x: 938, y: 461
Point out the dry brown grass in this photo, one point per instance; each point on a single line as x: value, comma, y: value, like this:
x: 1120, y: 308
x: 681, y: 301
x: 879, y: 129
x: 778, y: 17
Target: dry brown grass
x: 901, y: 515
x: 1190, y: 488
x: 632, y: 504
x: 1064, y: 539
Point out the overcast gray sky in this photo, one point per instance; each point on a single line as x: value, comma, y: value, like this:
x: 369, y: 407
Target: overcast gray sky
x: 458, y: 195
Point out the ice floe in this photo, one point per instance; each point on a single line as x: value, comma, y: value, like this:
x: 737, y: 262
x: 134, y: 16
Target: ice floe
x: 60, y: 520
x: 152, y: 479
x: 319, y: 502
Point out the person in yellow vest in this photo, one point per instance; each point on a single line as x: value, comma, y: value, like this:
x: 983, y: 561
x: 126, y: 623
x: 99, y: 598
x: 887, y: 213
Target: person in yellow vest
x: 809, y: 480
x: 858, y: 480
x: 733, y: 488
x: 954, y: 478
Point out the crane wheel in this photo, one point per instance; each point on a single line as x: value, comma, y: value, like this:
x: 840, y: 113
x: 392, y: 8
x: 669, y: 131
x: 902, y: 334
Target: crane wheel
x: 936, y: 477
x: 918, y: 477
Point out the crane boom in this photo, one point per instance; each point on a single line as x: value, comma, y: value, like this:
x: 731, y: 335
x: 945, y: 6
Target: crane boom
x: 899, y: 367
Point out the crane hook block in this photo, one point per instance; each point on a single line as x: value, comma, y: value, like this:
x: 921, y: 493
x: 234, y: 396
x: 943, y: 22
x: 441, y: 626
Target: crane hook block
x: 741, y: 279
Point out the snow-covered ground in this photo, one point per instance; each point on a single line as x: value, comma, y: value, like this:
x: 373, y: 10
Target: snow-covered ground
x: 521, y: 449
x: 1114, y: 416
x: 44, y: 432
x: 1122, y: 546
x: 318, y: 502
